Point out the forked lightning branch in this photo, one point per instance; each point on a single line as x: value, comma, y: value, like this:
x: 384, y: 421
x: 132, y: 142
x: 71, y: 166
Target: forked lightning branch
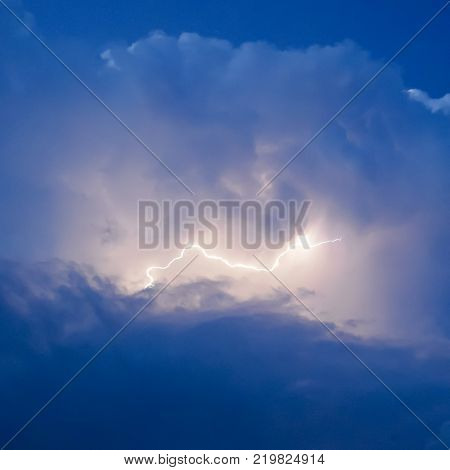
x: 275, y: 265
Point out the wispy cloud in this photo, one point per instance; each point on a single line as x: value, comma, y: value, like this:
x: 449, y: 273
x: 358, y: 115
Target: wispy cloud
x: 435, y: 105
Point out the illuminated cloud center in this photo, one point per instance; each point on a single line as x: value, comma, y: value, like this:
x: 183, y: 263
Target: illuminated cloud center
x: 223, y: 260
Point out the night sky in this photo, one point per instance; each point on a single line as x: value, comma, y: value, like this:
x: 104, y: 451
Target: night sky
x: 225, y: 92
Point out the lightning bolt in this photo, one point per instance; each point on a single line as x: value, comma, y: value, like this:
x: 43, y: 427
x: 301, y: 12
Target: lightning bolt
x: 249, y: 267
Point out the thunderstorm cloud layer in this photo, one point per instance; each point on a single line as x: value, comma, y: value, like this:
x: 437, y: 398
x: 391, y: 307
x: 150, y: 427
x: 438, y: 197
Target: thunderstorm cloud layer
x: 225, y: 117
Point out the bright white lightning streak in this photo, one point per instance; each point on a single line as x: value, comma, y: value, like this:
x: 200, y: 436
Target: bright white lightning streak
x: 228, y: 263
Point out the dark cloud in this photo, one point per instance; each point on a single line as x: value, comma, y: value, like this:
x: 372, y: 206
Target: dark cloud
x: 245, y: 379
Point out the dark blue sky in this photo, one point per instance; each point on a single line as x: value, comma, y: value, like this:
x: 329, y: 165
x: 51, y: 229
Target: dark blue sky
x: 207, y: 366
x: 381, y: 28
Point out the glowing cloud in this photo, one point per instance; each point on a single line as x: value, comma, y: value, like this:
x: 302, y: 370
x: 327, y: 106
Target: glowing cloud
x: 250, y: 267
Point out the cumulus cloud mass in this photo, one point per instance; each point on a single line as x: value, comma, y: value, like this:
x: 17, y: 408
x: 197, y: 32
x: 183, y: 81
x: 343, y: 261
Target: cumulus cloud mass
x: 225, y: 118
